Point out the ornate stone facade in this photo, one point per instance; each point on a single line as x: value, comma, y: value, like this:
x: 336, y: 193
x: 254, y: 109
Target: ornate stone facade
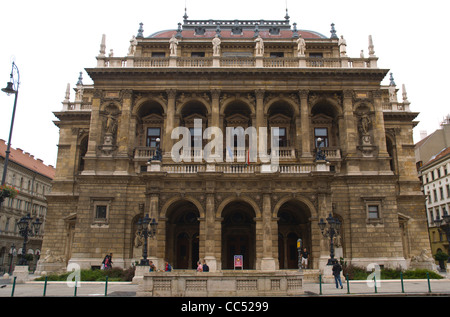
x: 109, y: 173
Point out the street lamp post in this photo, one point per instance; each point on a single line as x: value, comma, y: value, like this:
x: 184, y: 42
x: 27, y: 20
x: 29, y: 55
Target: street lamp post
x: 27, y: 229
x: 320, y: 155
x: 334, y: 226
x: 158, y: 154
x: 12, y: 251
x: 12, y: 87
x: 146, y: 229
x: 299, y: 250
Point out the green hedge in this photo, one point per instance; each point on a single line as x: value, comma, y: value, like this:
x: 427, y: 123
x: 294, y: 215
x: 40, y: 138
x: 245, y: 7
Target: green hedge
x: 114, y: 274
x: 358, y: 273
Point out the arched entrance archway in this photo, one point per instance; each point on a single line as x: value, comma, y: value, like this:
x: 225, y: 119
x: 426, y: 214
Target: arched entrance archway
x: 238, y: 234
x: 182, y: 232
x: 293, y: 224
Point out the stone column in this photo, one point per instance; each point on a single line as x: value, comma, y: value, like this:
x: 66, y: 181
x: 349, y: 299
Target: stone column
x: 324, y: 205
x: 208, y: 236
x: 350, y: 135
x: 155, y: 253
x: 379, y: 133
x: 267, y: 262
x: 378, y: 126
x: 215, y: 115
x: 94, y: 134
x: 169, y: 123
x: 123, y: 133
x: 260, y: 123
x: 303, y: 132
x: 260, y: 109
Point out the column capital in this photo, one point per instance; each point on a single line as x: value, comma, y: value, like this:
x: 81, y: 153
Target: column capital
x: 126, y: 93
x: 259, y: 93
x: 215, y: 93
x: 377, y: 94
x: 171, y: 93
x: 303, y: 93
x: 348, y: 93
x: 98, y: 93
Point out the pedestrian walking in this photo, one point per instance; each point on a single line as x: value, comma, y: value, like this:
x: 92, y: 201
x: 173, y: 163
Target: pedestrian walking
x: 107, y: 262
x: 168, y: 267
x: 205, y: 266
x: 104, y: 262
x: 305, y: 256
x: 337, y: 268
x: 110, y: 262
x: 199, y: 267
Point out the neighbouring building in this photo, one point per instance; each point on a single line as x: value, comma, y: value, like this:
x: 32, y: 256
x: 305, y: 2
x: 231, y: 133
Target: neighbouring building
x: 345, y: 148
x: 33, y: 180
x: 433, y: 163
x: 432, y: 144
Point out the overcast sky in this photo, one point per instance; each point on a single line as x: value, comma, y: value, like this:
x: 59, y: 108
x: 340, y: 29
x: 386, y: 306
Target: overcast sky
x: 52, y: 41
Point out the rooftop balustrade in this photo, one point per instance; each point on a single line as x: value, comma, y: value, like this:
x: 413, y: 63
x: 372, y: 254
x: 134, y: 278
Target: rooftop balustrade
x: 235, y: 61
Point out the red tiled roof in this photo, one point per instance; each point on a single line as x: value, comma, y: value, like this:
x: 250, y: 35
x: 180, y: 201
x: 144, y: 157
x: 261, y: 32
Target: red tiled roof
x: 440, y: 155
x: 245, y: 34
x: 27, y: 160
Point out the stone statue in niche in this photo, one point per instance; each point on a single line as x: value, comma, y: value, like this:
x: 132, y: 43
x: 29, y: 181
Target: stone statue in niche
x: 109, y: 130
x: 365, y: 124
x: 110, y: 126
x: 367, y: 147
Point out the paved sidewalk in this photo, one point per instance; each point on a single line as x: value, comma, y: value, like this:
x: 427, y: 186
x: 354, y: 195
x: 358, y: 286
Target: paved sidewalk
x: 62, y: 289
x: 127, y: 289
x: 419, y: 287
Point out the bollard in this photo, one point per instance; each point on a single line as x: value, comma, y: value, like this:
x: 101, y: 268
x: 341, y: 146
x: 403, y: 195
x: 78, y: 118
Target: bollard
x: 429, y: 286
x: 375, y: 284
x: 75, y: 288
x: 14, y: 286
x: 45, y: 286
x: 401, y: 279
x: 106, y: 286
x: 320, y: 283
x: 348, y: 285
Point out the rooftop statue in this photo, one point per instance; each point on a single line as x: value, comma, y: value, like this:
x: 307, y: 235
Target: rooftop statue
x: 343, y: 46
x: 259, y: 46
x: 173, y: 46
x: 216, y: 45
x: 301, y: 45
x: 133, y: 44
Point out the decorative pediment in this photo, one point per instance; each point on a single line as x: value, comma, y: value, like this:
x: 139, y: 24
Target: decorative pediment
x: 153, y: 119
x: 237, y: 119
x: 279, y: 119
x: 189, y: 120
x: 322, y: 119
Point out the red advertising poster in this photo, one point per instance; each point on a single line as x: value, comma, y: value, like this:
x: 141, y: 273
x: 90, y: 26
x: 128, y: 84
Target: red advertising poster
x: 238, y: 261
